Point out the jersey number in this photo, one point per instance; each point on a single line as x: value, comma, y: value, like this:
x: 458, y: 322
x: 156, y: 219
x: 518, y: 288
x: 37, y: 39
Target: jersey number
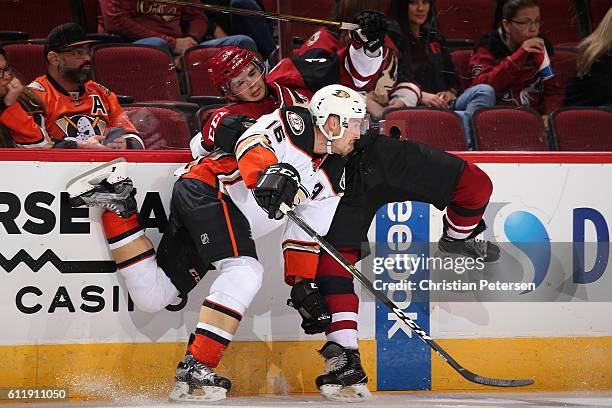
x: 317, y: 190
x: 279, y: 134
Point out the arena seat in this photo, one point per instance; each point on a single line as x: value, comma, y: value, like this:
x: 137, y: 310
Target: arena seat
x: 27, y: 59
x: 509, y: 128
x: 146, y: 73
x: 464, y: 20
x: 161, y: 126
x: 582, y: 129
x: 198, y: 82
x: 321, y: 9
x: 597, y: 11
x: 436, y: 127
x: 562, y: 22
x: 564, y: 65
x: 90, y: 10
x: 36, y: 17
x: 270, y: 5
x: 461, y: 61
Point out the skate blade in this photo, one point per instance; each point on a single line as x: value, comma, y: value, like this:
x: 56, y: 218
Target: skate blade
x: 352, y: 393
x: 114, y: 170
x: 181, y: 393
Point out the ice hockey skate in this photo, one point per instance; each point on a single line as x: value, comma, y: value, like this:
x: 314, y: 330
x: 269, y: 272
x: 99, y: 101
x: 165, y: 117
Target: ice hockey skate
x: 197, y: 382
x: 107, y: 186
x: 471, y: 246
x: 344, y: 378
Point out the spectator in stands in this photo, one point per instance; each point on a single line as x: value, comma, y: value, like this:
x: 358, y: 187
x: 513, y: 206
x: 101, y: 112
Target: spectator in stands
x: 258, y: 28
x: 426, y: 61
x: 12, y: 92
x: 169, y: 27
x: 74, y: 112
x: 10, y: 89
x: 382, y: 89
x: 592, y: 85
x: 514, y: 60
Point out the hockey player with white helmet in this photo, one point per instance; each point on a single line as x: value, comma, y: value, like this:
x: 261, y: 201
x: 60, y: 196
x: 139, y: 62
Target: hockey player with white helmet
x: 219, y: 205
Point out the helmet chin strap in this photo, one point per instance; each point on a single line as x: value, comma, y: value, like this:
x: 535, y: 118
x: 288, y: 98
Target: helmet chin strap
x: 330, y: 137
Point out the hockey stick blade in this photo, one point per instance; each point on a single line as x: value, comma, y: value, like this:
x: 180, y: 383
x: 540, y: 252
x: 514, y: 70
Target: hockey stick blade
x: 468, y: 375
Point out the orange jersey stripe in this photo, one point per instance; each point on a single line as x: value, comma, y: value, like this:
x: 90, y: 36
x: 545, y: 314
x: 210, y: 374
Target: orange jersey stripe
x: 229, y: 224
x: 302, y: 264
x: 253, y: 162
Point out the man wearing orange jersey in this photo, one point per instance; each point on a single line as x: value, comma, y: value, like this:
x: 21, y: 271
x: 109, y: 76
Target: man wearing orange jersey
x: 76, y: 112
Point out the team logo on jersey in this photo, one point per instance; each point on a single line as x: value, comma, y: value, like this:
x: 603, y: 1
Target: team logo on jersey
x: 295, y: 122
x: 313, y: 39
x: 205, y: 239
x: 37, y: 86
x: 80, y: 126
x: 341, y: 93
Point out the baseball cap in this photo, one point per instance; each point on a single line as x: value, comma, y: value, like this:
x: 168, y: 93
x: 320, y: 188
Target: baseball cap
x: 66, y: 35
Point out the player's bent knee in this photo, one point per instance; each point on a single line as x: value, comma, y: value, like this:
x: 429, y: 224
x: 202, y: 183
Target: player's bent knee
x: 148, y: 285
x: 240, y: 276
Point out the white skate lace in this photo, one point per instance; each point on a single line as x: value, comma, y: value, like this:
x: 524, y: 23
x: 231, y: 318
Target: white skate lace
x: 335, y: 363
x: 203, y: 371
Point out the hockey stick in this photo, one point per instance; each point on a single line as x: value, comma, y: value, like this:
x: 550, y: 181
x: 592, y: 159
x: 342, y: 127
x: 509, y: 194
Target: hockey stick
x: 260, y: 13
x: 468, y: 375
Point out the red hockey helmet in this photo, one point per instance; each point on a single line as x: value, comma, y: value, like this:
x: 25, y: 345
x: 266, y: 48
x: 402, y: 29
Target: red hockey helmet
x: 228, y: 63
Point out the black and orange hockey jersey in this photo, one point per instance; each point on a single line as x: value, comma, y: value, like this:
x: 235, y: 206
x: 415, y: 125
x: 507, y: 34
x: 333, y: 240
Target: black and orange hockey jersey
x: 67, y: 115
x: 286, y: 135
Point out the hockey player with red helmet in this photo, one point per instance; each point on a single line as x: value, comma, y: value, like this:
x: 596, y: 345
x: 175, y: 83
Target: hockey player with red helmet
x: 240, y: 77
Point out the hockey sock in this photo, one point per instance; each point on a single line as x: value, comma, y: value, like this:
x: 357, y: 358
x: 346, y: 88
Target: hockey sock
x: 219, y: 319
x: 468, y: 202
x: 336, y: 285
x: 126, y: 239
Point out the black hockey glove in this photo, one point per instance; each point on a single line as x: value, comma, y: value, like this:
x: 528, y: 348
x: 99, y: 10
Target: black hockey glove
x: 372, y: 30
x: 308, y: 301
x: 279, y: 183
x: 229, y: 131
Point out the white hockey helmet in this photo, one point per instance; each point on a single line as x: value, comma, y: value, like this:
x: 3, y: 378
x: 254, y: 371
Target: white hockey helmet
x: 341, y: 101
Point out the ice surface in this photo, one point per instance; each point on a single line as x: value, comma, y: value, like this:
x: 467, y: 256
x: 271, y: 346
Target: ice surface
x: 387, y: 400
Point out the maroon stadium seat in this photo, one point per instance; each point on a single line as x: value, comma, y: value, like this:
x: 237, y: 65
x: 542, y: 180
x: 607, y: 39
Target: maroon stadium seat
x: 321, y: 9
x: 91, y: 13
x: 564, y: 65
x: 507, y: 128
x: 561, y: 22
x: 436, y: 127
x: 199, y: 81
x: 36, y: 17
x: 270, y: 5
x: 461, y: 61
x: 161, y: 126
x: 582, y: 129
x: 28, y: 60
x: 143, y: 72
x: 597, y: 11
x: 465, y: 19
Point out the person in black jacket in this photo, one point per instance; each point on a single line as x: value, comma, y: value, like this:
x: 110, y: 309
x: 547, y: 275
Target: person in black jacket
x: 426, y: 60
x: 592, y: 85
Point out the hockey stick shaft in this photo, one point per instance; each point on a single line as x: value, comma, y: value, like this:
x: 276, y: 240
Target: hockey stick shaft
x: 468, y: 375
x: 261, y: 13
